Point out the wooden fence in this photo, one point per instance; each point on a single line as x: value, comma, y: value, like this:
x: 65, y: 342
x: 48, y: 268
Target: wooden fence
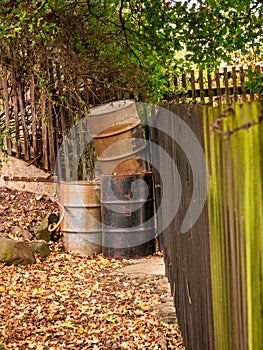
x: 37, y: 113
x: 226, y: 85
x: 215, y: 269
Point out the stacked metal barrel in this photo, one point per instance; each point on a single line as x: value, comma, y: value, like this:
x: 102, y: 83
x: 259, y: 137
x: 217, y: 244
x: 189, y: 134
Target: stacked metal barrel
x: 118, y: 138
x: 127, y: 207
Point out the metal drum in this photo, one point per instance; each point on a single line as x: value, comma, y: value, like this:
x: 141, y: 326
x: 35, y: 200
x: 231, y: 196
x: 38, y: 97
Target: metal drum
x: 113, y: 114
x: 118, y: 133
x: 128, y: 229
x: 118, y: 138
x: 81, y: 225
x: 132, y: 158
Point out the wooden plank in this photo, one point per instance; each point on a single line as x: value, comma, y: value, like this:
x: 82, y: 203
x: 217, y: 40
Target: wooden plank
x: 251, y: 155
x: 83, y: 146
x: 34, y: 117
x: 176, y: 88
x: 50, y: 136
x: 64, y: 162
x: 22, y: 109
x: 17, y: 142
x: 210, y: 91
x: 49, y: 114
x: 242, y: 80
x: 193, y: 85
x: 7, y: 140
x: 93, y: 90
x: 234, y: 79
x: 74, y: 144
x: 184, y: 85
x: 102, y: 93
x: 218, y: 89
x: 29, y: 179
x: 226, y: 83
x: 86, y: 93
x: 258, y: 70
x: 44, y: 132
x: 63, y: 167
x: 234, y: 282
x: 119, y: 91
x: 201, y: 85
x: 251, y: 93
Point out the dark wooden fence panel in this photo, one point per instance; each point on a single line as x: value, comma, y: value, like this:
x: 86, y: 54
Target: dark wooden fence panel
x: 186, y: 254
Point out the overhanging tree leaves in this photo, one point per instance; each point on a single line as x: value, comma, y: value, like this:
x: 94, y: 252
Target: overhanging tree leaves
x: 132, y: 42
x: 62, y: 52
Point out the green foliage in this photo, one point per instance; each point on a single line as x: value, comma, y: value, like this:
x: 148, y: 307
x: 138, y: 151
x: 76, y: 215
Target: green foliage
x: 25, y: 19
x: 132, y: 43
x: 255, y: 83
x: 216, y: 30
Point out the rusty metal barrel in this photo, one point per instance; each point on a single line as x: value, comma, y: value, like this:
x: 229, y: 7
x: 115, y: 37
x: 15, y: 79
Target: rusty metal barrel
x: 128, y: 225
x: 112, y: 114
x: 118, y: 138
x: 125, y: 157
x: 81, y: 225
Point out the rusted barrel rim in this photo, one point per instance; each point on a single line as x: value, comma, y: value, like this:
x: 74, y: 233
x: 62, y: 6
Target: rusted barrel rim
x: 84, y: 206
x: 130, y: 230
x: 79, y: 182
x: 127, y: 201
x: 123, y: 156
x: 130, y: 175
x: 82, y: 231
x: 130, y: 126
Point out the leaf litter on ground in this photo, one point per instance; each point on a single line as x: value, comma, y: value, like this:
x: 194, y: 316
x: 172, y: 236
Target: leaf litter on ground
x: 69, y: 301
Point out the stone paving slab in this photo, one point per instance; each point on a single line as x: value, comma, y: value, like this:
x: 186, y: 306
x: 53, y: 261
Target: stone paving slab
x: 153, y: 269
x: 153, y: 265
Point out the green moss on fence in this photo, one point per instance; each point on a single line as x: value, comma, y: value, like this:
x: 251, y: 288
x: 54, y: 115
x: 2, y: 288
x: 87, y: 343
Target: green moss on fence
x: 234, y: 146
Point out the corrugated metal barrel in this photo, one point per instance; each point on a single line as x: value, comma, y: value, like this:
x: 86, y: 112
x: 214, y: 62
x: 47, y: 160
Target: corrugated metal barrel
x: 81, y: 225
x: 127, y: 206
x: 118, y: 138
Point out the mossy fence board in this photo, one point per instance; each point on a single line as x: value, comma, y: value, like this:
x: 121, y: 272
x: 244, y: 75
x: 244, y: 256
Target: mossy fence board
x: 215, y: 269
x: 236, y: 224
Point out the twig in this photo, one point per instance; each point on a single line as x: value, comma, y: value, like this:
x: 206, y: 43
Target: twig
x: 229, y: 133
